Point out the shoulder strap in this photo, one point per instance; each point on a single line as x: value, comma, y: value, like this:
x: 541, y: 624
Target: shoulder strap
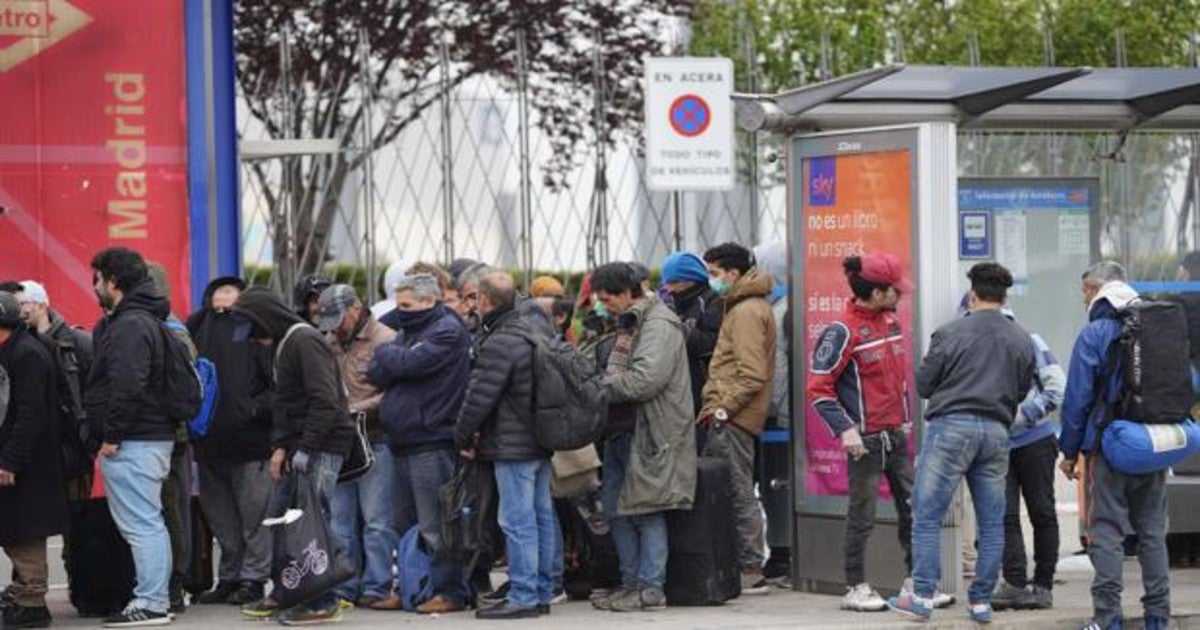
x: 279, y: 348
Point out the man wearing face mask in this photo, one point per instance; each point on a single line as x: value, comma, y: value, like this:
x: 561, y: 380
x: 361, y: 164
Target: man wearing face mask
x: 738, y: 392
x: 306, y: 293
x: 235, y: 483
x: 699, y: 308
x: 424, y: 373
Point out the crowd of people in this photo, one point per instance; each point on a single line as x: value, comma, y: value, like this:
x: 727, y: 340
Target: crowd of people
x: 441, y: 373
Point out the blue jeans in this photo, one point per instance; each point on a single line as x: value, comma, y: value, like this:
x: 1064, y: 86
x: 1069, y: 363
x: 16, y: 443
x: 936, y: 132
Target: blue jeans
x: 641, y: 541
x: 419, y: 480
x: 133, y: 479
x: 364, y: 523
x: 527, y: 519
x: 954, y: 447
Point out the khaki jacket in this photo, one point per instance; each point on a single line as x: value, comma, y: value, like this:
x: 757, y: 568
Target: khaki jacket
x: 352, y: 363
x: 743, y: 363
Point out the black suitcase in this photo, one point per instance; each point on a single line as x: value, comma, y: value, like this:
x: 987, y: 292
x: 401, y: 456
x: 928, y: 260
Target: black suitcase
x: 702, y: 562
x: 99, y: 564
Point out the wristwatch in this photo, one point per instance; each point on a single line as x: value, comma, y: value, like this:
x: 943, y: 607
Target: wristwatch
x: 721, y: 415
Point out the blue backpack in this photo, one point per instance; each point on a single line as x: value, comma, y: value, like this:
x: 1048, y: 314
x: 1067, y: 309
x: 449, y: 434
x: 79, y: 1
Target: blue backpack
x: 206, y: 372
x: 416, y: 571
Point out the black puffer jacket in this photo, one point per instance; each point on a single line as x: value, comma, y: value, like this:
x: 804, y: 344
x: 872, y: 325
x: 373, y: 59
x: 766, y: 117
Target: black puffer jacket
x: 701, y: 313
x: 240, y: 430
x: 124, y: 390
x: 499, y: 400
x: 309, y: 403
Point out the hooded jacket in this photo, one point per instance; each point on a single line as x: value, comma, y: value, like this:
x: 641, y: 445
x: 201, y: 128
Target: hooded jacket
x: 36, y: 507
x: 743, y: 363
x: 1081, y: 412
x: 240, y: 430
x: 499, y: 400
x: 423, y: 373
x: 772, y: 257
x: 124, y: 389
x: 309, y: 405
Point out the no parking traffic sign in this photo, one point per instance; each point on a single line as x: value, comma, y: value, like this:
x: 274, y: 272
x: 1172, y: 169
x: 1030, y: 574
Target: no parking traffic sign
x: 689, y: 123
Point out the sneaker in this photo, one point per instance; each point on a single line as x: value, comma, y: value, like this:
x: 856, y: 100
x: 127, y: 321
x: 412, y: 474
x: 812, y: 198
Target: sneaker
x: 1157, y: 623
x: 980, y: 613
x: 649, y: 599
x: 753, y: 583
x: 1008, y: 597
x: 16, y: 616
x: 605, y: 602
x: 137, y: 618
x: 495, y: 597
x: 911, y: 606
x: 863, y: 598
x: 440, y: 604
x: 560, y: 596
x: 264, y: 608
x: 345, y: 604
x: 305, y: 616
x: 219, y: 595
x: 1036, y: 598
x: 246, y: 593
x: 939, y: 599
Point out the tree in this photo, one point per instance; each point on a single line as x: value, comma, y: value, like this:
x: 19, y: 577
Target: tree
x: 316, y: 89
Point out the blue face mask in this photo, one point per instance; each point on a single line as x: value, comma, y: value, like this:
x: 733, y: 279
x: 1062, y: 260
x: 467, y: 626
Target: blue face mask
x: 599, y: 310
x: 719, y: 286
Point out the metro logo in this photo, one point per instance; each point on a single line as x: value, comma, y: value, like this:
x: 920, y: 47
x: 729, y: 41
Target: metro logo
x: 24, y: 18
x: 39, y: 23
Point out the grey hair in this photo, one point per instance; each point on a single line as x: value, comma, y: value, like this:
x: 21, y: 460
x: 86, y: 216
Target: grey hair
x: 422, y: 285
x: 1104, y: 272
x: 474, y: 275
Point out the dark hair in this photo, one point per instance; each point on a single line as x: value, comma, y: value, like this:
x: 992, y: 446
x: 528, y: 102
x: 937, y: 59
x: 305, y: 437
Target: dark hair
x: 990, y: 281
x: 617, y: 277
x: 12, y: 286
x: 499, y: 288
x: 564, y: 307
x: 730, y: 256
x: 121, y: 265
x: 309, y: 287
x: 862, y: 289
x: 1191, y: 264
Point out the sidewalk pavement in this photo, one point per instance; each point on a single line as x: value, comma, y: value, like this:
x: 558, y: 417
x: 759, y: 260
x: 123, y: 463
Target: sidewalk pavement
x: 780, y: 609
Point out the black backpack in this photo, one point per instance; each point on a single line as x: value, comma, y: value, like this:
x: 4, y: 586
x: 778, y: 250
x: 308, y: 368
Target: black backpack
x: 182, y: 388
x: 74, y: 430
x: 569, y: 404
x: 1153, y: 354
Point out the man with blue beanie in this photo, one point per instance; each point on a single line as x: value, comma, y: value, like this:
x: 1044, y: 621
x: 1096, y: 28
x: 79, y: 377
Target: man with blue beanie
x: 685, y: 276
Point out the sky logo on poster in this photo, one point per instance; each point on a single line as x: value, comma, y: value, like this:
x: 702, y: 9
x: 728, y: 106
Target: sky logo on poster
x: 822, y: 181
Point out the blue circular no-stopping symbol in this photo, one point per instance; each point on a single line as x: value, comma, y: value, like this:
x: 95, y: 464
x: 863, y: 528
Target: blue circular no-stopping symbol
x: 690, y: 115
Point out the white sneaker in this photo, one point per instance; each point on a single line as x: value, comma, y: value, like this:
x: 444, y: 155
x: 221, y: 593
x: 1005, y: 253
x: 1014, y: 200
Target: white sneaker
x: 939, y: 599
x: 863, y: 598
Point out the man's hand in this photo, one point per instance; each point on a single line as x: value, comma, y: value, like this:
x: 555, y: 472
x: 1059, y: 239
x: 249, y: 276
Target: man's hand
x: 109, y: 449
x: 1067, y: 466
x: 468, y: 453
x: 277, y: 460
x: 852, y: 443
x: 7, y: 478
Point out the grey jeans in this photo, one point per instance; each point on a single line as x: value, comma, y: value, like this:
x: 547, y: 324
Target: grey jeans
x: 737, y: 447
x: 234, y: 497
x: 1142, y: 499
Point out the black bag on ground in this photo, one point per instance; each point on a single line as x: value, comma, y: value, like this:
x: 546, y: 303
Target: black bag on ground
x: 99, y: 565
x: 306, y: 564
x: 569, y: 403
x: 200, y: 569
x: 702, y: 561
x: 1154, y: 355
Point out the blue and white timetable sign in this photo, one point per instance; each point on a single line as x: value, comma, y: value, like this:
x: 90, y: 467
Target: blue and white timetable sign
x: 975, y: 234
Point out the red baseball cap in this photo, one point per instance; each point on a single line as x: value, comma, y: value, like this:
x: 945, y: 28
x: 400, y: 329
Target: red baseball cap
x: 884, y: 268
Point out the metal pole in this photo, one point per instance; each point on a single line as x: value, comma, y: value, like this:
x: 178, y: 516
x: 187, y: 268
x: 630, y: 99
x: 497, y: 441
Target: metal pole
x: 368, y: 104
x: 526, y: 200
x: 597, y: 238
x: 677, y: 202
x: 752, y: 87
x: 287, y: 268
x: 447, y: 158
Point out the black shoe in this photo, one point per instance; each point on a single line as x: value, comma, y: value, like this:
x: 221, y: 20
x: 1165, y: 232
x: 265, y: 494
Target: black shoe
x: 137, y: 618
x: 245, y: 593
x: 505, y: 610
x: 219, y: 595
x: 178, y: 606
x: 25, y: 617
x: 497, y: 596
x: 543, y: 609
